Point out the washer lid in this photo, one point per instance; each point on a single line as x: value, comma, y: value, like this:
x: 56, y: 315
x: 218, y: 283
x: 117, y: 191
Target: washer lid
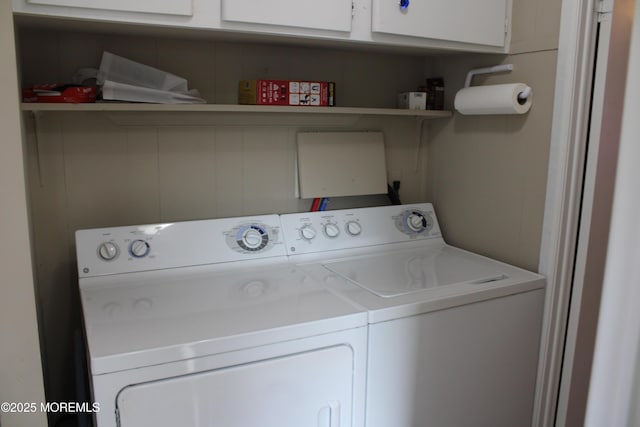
x: 142, y: 319
x: 390, y: 274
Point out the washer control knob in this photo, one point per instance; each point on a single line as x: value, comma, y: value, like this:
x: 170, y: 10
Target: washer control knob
x: 416, y: 222
x: 331, y: 230
x: 308, y: 232
x: 354, y: 228
x: 108, y: 251
x: 139, y: 248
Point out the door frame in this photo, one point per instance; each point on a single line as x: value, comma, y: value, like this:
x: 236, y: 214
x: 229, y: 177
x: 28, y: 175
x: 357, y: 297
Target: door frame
x: 578, y: 200
x: 563, y: 197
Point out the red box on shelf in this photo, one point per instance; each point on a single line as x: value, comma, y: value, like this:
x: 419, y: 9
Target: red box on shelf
x: 286, y: 92
x: 72, y: 94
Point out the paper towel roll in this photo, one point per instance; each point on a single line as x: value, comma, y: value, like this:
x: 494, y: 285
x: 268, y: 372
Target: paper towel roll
x: 493, y: 99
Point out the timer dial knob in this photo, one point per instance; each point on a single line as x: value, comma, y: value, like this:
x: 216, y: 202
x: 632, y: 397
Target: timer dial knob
x: 416, y: 222
x: 139, y: 248
x: 331, y: 230
x: 108, y: 251
x: 252, y: 238
x: 308, y: 232
x: 354, y: 228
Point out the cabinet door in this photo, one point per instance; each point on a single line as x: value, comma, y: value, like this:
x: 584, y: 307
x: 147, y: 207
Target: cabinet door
x: 166, y: 7
x: 481, y: 22
x: 334, y: 15
x: 308, y: 389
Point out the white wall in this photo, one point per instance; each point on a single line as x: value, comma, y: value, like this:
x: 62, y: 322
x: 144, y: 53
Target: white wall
x: 487, y: 174
x: 535, y: 25
x: 20, y: 366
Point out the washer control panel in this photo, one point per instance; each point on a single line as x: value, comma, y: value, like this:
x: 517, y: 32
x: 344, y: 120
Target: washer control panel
x: 311, y: 232
x: 158, y: 246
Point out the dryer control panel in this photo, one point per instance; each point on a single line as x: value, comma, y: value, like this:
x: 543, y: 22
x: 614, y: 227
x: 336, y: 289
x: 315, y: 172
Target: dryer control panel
x: 311, y: 232
x: 180, y: 244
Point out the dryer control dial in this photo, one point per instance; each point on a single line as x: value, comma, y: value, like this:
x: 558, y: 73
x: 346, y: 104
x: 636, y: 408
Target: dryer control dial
x: 108, y: 251
x: 253, y: 238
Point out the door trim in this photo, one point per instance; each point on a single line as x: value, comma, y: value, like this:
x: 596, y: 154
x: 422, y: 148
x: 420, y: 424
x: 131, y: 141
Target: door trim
x: 564, y: 188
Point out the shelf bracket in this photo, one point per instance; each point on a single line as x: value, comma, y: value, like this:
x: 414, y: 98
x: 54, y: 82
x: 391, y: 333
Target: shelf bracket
x: 37, y: 115
x: 419, y: 134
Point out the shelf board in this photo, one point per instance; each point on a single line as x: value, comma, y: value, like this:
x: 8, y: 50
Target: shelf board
x: 232, y: 108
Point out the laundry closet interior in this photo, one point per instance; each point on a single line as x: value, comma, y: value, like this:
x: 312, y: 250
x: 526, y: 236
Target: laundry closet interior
x: 90, y: 167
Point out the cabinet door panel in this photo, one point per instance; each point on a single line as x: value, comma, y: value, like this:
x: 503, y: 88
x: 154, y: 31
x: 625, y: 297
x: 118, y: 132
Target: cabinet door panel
x: 468, y: 21
x: 164, y: 7
x: 333, y: 15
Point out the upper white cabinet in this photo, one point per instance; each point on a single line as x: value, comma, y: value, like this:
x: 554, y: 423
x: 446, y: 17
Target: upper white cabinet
x: 333, y: 15
x: 202, y: 14
x: 173, y: 7
x: 424, y: 25
x: 481, y: 22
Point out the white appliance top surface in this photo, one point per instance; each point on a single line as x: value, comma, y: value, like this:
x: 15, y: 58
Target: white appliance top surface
x: 394, y: 273
x: 148, y: 318
x: 400, y: 282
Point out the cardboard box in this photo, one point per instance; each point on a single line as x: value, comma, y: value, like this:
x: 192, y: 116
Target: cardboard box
x: 412, y: 100
x: 286, y: 92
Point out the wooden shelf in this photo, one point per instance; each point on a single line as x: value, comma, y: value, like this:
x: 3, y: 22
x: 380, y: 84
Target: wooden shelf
x: 233, y: 108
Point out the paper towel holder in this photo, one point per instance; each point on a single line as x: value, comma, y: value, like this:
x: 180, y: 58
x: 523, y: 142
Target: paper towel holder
x: 522, y: 96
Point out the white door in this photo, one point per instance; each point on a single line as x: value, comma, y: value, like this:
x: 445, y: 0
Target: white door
x: 334, y: 15
x: 469, y: 21
x: 306, y: 389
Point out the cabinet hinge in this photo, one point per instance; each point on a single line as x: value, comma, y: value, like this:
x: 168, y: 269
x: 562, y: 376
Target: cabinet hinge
x: 603, y: 8
x: 506, y: 25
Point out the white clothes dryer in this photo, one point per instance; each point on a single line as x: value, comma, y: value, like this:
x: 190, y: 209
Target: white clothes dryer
x: 205, y: 323
x: 453, y: 336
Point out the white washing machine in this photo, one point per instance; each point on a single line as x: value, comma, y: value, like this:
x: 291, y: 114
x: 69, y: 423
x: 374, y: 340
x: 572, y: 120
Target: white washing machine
x: 453, y: 336
x: 205, y: 323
